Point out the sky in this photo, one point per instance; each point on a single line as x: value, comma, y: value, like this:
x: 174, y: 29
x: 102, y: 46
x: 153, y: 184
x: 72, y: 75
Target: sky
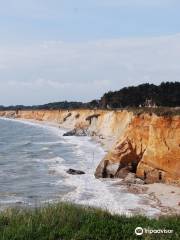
x: 76, y: 50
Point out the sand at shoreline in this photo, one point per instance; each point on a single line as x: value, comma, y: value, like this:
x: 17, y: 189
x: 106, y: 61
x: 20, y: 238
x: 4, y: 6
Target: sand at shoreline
x: 162, y: 196
x: 168, y: 196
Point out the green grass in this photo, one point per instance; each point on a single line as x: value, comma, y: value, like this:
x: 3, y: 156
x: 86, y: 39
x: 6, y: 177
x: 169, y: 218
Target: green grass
x: 65, y: 222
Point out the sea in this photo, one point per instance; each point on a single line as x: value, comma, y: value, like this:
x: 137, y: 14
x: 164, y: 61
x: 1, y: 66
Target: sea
x: 34, y: 159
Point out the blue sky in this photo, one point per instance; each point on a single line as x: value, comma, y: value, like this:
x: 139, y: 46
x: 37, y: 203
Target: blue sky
x: 79, y: 20
x: 76, y: 50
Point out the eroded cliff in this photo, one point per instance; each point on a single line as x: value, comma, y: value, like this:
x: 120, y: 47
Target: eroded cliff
x: 145, y: 144
x: 149, y: 147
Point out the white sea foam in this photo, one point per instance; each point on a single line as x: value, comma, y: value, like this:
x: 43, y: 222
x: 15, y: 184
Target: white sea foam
x: 47, y: 143
x: 8, y: 200
x: 56, y: 160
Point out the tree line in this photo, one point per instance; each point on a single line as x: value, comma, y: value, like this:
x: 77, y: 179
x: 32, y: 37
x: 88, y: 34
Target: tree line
x: 167, y: 94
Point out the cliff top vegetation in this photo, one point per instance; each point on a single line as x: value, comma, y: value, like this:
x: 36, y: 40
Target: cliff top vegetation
x: 141, y: 97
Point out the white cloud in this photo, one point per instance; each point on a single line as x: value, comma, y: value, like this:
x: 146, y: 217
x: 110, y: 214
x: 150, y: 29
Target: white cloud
x: 38, y: 83
x: 56, y: 70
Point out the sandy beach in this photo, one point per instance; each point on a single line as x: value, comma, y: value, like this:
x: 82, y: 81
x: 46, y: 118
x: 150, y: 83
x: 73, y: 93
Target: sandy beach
x: 163, y: 197
x: 167, y: 197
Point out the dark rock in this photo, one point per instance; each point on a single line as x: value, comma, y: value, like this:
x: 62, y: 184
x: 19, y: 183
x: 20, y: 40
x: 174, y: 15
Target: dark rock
x: 70, y: 133
x: 75, y: 172
x: 89, y: 118
x: 76, y: 132
x: 77, y: 115
x: 68, y: 115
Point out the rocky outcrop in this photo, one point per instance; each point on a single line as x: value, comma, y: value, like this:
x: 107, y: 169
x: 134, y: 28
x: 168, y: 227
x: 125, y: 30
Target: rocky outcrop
x: 8, y: 114
x: 150, y: 148
x: 132, y: 179
x: 75, y: 172
x: 76, y: 132
x: 144, y: 144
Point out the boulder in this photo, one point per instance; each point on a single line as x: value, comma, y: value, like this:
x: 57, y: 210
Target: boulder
x: 131, y: 178
x: 70, y: 133
x: 76, y: 132
x: 139, y: 181
x: 122, y: 173
x: 75, y: 172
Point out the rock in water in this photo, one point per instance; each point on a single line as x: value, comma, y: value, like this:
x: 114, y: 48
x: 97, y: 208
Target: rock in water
x: 70, y: 133
x: 75, y: 172
x: 76, y: 132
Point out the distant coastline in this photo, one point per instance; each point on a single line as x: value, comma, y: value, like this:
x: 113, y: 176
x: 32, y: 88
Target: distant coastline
x: 164, y: 96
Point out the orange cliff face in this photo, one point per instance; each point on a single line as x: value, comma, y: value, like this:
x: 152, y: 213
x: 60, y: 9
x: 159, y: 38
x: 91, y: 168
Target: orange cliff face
x: 146, y: 145
x: 149, y: 147
x: 161, y: 160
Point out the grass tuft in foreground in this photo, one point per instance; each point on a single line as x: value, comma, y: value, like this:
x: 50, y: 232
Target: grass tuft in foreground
x: 71, y: 222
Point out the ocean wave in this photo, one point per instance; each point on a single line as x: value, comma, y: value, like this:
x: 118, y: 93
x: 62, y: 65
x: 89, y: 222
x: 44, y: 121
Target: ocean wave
x: 12, y: 200
x: 54, y: 160
x: 47, y: 143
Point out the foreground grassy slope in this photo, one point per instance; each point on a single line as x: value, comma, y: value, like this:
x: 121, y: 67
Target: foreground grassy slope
x: 66, y: 222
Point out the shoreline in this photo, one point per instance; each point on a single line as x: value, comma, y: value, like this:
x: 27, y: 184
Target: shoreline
x: 164, y: 197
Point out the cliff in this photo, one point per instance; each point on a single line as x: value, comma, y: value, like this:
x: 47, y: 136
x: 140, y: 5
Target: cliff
x: 145, y: 144
x: 149, y: 147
